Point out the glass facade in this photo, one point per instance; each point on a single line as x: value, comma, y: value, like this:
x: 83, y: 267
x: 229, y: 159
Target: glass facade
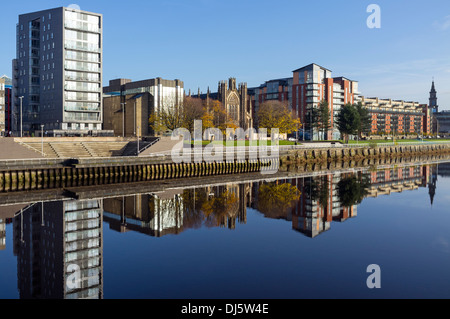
x: 83, y: 69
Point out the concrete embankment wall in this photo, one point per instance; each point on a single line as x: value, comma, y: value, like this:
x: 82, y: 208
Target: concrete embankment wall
x: 24, y: 175
x: 48, y: 174
x: 338, y: 154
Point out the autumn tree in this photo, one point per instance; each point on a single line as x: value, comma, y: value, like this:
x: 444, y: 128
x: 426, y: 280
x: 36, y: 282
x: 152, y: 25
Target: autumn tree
x: 216, y: 116
x: 193, y: 109
x: 177, y: 114
x: 276, y: 114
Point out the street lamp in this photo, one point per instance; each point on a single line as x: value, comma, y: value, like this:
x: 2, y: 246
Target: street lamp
x: 42, y: 138
x: 123, y: 117
x: 21, y: 129
x: 138, y: 148
x: 135, y: 118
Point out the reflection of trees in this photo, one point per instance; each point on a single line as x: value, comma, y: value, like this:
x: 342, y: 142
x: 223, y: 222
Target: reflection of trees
x: 353, y: 189
x: 220, y: 207
x: 319, y: 190
x: 209, y: 208
x: 275, y: 199
x: 193, y: 200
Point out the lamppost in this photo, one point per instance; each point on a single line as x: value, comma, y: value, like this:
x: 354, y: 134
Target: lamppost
x: 138, y: 148
x: 135, y: 134
x: 42, y: 138
x: 123, y: 117
x: 21, y: 129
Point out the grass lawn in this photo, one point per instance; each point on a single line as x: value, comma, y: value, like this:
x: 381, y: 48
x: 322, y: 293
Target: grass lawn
x: 398, y: 141
x: 247, y: 143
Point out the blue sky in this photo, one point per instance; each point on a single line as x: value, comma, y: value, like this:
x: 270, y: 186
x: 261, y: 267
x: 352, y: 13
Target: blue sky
x: 204, y: 41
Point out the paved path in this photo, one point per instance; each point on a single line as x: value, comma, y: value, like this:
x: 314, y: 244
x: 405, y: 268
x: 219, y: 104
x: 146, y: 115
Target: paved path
x: 12, y: 150
x: 164, y: 146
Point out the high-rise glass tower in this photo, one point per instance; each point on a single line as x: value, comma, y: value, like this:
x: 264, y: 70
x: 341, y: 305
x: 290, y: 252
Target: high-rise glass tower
x: 57, y: 73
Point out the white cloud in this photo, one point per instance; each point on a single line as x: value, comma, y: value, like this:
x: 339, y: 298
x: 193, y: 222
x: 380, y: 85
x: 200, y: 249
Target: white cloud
x: 443, y: 25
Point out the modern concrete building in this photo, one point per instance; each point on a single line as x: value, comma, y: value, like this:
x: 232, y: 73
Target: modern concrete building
x: 128, y: 105
x: 57, y: 73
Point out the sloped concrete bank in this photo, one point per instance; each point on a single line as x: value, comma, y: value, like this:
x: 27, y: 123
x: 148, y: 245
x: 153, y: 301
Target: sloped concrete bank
x: 347, y: 154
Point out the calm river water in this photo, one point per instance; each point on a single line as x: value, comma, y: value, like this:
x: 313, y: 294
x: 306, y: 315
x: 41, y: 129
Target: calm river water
x: 308, y: 237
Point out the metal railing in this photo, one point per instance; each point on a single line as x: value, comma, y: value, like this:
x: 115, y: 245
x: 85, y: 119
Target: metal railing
x: 149, y: 145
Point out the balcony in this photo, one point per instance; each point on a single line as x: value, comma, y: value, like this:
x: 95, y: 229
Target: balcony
x: 83, y: 27
x: 84, y: 48
x: 81, y: 79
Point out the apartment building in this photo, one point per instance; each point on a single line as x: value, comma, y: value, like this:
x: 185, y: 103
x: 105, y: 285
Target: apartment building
x: 57, y: 73
x: 2, y: 108
x: 304, y: 91
x: 394, y: 117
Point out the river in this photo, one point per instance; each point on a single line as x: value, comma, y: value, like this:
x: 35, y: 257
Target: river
x: 306, y: 236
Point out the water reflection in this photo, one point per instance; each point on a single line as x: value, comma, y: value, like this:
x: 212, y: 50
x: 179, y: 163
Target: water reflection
x: 52, y: 238
x: 59, y: 244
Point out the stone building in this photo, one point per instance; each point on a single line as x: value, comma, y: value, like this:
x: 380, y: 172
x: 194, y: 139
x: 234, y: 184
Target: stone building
x: 234, y: 97
x: 129, y: 105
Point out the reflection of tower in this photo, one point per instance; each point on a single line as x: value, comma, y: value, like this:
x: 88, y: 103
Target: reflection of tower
x: 2, y: 234
x: 432, y: 184
x: 319, y: 205
x: 59, y: 250
x: 313, y: 212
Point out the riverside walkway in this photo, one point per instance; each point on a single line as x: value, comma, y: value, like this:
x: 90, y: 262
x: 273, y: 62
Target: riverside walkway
x: 37, y: 172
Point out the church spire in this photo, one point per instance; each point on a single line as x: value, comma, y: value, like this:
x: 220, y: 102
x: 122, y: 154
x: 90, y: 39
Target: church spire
x: 433, y: 89
x: 433, y: 98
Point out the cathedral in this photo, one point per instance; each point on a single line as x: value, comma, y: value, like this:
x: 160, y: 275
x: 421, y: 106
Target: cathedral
x: 235, y: 100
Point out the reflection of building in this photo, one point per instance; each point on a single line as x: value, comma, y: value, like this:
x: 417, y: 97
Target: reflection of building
x: 128, y: 104
x: 2, y: 234
x: 444, y: 169
x: 51, y: 240
x: 154, y: 215
x: 173, y: 211
x: 432, y: 183
x: 319, y: 205
x: 395, y: 180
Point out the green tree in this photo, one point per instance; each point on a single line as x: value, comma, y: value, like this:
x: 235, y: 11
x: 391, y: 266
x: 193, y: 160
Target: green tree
x: 365, y: 121
x: 323, y: 118
x: 347, y: 121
